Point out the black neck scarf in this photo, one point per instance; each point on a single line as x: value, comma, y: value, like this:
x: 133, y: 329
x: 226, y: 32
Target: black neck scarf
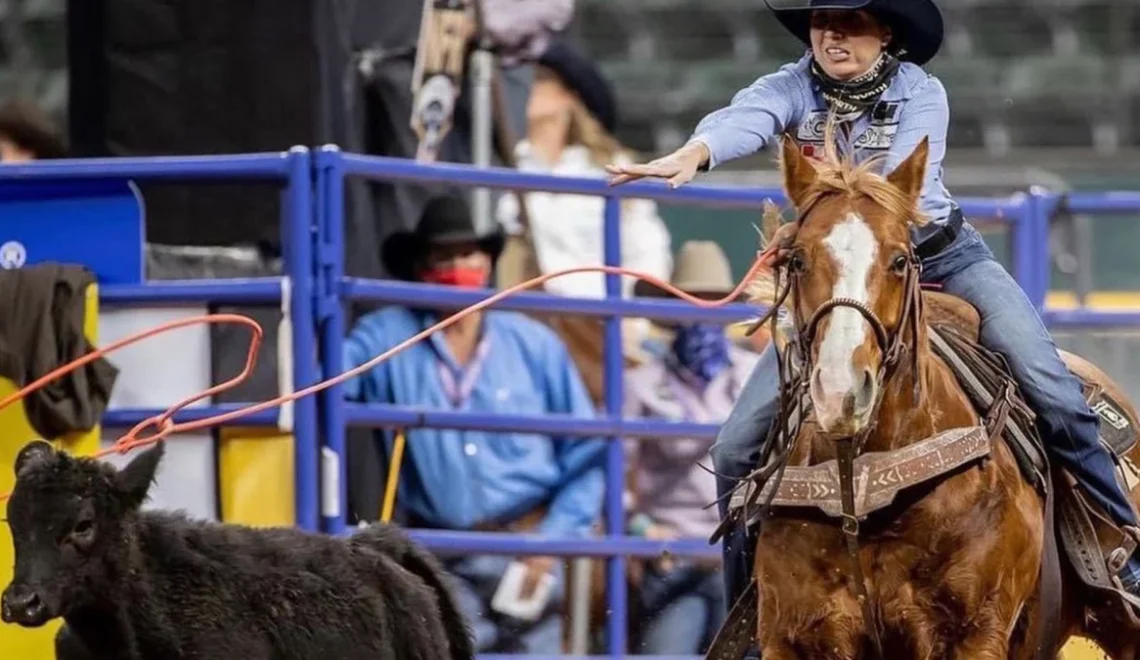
x: 849, y: 98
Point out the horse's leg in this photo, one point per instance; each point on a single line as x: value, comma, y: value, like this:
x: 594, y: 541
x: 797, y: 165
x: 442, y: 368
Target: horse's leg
x: 783, y: 650
x: 807, y: 607
x: 983, y: 645
x: 834, y: 638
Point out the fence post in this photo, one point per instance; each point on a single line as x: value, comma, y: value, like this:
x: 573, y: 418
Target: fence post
x: 616, y: 594
x: 297, y: 245
x: 1025, y: 248
x: 1042, y: 204
x: 330, y: 313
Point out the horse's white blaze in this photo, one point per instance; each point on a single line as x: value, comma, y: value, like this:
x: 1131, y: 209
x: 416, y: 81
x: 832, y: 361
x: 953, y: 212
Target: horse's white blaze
x: 852, y: 246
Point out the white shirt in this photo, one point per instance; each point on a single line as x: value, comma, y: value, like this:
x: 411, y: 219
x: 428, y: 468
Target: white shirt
x: 567, y: 230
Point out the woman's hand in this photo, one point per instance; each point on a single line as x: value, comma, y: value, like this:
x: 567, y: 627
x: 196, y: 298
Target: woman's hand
x: 678, y: 167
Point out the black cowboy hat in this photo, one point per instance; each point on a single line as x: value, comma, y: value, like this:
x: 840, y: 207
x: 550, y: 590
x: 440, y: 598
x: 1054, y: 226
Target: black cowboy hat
x: 582, y: 75
x: 446, y: 220
x: 917, y: 24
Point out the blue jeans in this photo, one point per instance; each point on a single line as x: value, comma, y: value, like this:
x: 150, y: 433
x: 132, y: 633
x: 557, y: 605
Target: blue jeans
x: 1010, y: 326
x: 680, y: 610
x: 474, y: 582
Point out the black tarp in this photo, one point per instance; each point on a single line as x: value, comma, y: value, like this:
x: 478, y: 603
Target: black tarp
x: 229, y: 343
x: 168, y: 77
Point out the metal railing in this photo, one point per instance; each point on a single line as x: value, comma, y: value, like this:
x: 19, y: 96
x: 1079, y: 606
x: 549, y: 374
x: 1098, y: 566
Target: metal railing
x: 1026, y: 216
x: 293, y: 169
x: 313, y: 235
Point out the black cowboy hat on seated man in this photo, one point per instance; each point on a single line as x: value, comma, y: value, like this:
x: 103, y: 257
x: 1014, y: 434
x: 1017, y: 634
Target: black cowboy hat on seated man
x: 917, y: 24
x: 446, y: 220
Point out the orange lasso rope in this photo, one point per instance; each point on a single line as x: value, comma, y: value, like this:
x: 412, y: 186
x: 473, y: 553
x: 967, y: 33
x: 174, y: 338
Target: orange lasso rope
x: 164, y: 423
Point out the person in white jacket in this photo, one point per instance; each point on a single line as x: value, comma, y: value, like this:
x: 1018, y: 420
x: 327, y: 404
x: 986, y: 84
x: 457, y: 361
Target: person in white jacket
x: 571, y: 118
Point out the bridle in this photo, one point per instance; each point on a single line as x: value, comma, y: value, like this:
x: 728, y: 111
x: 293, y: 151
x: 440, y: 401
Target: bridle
x: 892, y: 344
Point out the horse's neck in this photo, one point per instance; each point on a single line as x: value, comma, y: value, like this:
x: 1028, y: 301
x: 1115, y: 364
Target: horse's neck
x: 909, y: 414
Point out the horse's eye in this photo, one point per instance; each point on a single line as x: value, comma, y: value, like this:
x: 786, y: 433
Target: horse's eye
x: 900, y: 263
x: 796, y: 263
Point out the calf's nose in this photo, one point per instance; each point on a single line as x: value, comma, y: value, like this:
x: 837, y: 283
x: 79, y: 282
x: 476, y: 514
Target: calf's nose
x: 21, y: 606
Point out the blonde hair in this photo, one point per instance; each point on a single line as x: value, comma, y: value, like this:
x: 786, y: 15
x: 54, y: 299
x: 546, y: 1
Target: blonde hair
x: 587, y: 131
x: 602, y: 147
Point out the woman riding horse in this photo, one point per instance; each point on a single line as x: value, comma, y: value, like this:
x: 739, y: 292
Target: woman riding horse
x: 864, y: 65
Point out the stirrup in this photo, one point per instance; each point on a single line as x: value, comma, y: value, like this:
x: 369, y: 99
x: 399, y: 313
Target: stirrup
x: 1130, y: 603
x: 1116, y: 560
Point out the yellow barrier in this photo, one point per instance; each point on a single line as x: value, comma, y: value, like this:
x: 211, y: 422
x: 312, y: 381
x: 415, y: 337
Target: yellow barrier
x: 1080, y: 648
x: 255, y: 477
x: 15, y: 432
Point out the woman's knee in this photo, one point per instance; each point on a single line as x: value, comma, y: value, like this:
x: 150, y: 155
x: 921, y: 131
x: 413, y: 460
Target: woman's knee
x: 740, y: 438
x: 736, y: 450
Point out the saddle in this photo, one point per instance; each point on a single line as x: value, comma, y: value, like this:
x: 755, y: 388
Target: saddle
x: 1096, y: 548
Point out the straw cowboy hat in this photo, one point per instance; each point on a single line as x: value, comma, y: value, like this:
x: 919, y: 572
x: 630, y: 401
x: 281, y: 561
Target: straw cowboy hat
x: 701, y: 270
x: 917, y: 24
x: 446, y: 220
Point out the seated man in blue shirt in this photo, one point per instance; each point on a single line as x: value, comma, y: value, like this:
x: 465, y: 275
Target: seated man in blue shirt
x: 490, y: 362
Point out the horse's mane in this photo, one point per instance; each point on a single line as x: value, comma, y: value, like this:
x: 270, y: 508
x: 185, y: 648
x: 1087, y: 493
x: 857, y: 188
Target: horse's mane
x: 836, y: 175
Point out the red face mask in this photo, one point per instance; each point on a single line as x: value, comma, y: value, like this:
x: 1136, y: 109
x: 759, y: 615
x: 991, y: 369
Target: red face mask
x: 468, y: 278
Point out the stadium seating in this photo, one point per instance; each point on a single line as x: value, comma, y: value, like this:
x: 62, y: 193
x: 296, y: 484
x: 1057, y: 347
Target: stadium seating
x: 1020, y: 73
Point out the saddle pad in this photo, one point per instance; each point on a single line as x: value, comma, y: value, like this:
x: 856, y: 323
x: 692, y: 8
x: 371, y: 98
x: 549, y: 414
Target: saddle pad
x: 981, y: 373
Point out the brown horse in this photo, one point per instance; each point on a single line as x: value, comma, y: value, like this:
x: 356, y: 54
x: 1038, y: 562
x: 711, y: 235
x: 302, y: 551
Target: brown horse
x: 903, y: 523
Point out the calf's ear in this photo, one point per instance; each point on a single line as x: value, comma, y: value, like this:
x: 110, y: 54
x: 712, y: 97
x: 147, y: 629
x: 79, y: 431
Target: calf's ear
x: 134, y: 480
x: 35, y: 453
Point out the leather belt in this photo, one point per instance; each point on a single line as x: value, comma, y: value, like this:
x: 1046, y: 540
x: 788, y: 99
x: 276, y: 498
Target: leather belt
x: 942, y: 238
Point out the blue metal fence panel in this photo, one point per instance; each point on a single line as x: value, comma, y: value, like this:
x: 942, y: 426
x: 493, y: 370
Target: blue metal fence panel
x: 293, y: 169
x: 1027, y: 214
x: 315, y: 288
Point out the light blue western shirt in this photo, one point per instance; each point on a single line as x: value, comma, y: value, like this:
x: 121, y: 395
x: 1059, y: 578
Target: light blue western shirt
x: 788, y: 101
x: 456, y: 479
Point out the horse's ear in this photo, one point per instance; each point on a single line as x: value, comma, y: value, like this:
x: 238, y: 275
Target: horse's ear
x: 908, y: 177
x: 799, y: 173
